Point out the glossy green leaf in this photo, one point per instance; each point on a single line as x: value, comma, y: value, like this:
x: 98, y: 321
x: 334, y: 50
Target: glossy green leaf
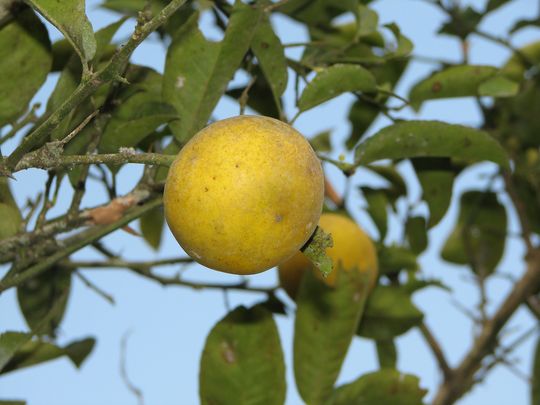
x: 535, y: 385
x: 326, y: 321
x: 384, y: 387
x: 386, y: 353
x: 271, y: 57
x: 197, y: 71
x: 498, y: 86
x: 416, y: 231
x: 409, y: 139
x: 454, y: 81
x: 39, y: 295
x: 377, y: 202
x: 152, y: 227
x: 25, y: 62
x: 242, y: 361
x: 389, y: 313
x: 10, y: 343
x: 479, y: 236
x: 36, y: 352
x: 334, y: 81
x: 135, y: 119
x: 70, y: 18
x: 395, y: 258
x: 436, y: 176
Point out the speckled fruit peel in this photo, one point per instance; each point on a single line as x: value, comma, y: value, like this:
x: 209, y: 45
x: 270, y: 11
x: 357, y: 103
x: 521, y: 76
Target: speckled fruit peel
x: 244, y: 194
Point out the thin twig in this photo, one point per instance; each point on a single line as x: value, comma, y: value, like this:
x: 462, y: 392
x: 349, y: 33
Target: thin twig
x: 123, y: 370
x: 436, y: 350
x: 30, y: 118
x: 109, y: 298
x: 79, y: 128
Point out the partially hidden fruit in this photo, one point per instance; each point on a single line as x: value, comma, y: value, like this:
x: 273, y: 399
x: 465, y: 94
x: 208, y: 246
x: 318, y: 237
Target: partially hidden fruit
x: 244, y: 194
x: 352, y: 250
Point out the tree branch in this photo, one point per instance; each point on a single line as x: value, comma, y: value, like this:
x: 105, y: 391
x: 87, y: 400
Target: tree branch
x: 44, y: 160
x: 90, y: 84
x: 462, y: 378
x: 75, y: 243
x: 436, y: 350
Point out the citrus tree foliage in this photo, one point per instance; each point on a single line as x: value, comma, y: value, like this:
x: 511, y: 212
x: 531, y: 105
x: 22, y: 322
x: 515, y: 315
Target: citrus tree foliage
x: 106, y: 112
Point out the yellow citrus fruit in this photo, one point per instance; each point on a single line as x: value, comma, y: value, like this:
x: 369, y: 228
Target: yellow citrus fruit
x: 353, y: 249
x: 244, y: 194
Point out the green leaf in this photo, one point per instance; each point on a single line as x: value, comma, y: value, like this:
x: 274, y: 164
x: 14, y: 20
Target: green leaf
x: 13, y: 402
x: 386, y: 353
x: 404, y: 45
x: 409, y: 139
x: 315, y: 251
x: 436, y: 176
x: 39, y: 295
x: 260, y: 95
x: 398, y: 187
x: 152, y: 227
x: 384, y: 387
x: 534, y: 22
x: 135, y: 119
x: 462, y: 23
x: 479, y: 236
x: 197, y: 71
x: 495, y: 4
x: 10, y: 343
x: 535, y: 386
x: 242, y: 361
x: 11, y: 221
x: 416, y: 231
x: 317, y: 12
x: 79, y: 350
x: 362, y: 113
x: 24, y: 63
x: 395, y: 258
x: 498, y: 86
x: 454, y: 81
x: 36, y: 352
x: 377, y: 201
x: 333, y: 81
x: 389, y: 313
x: 271, y: 57
x: 70, y: 18
x: 326, y: 321
x: 367, y: 21
x: 321, y: 142
x: 361, y: 116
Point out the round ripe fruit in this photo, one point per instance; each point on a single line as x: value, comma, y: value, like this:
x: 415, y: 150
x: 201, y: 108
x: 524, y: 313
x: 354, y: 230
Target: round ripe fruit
x: 244, y: 194
x: 353, y: 249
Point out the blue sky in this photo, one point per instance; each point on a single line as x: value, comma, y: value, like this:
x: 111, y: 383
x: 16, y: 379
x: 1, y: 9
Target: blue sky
x: 168, y: 326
